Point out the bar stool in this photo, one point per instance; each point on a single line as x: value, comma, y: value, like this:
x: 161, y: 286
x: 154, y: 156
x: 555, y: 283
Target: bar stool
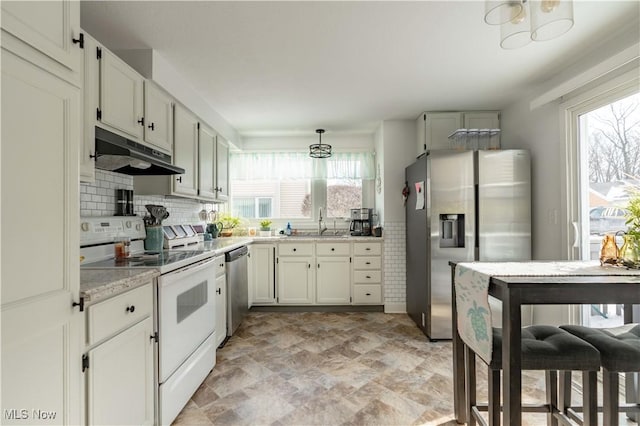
x: 545, y: 348
x: 619, y: 349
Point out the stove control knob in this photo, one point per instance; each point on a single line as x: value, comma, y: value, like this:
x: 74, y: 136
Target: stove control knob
x: 138, y: 227
x: 128, y: 224
x: 84, y: 226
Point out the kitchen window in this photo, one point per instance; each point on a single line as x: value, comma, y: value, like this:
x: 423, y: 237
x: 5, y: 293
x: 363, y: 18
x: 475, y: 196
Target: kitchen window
x: 253, y: 207
x: 298, y: 185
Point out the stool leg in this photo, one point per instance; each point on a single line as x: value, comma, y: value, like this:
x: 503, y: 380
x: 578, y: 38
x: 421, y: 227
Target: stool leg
x: 551, y: 386
x: 494, y: 396
x: 564, y: 391
x: 610, y: 401
x: 589, y: 398
x: 470, y: 383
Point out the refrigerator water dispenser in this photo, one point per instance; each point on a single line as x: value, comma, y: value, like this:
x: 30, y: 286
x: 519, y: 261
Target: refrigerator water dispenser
x: 451, y: 230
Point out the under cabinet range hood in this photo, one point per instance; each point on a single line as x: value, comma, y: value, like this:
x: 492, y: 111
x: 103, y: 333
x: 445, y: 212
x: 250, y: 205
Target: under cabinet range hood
x: 118, y: 154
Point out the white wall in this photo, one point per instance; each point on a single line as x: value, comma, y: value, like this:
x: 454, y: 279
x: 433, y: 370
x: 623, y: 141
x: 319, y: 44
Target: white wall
x: 395, y: 149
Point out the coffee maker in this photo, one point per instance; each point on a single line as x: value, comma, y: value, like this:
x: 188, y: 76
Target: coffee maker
x: 361, y: 222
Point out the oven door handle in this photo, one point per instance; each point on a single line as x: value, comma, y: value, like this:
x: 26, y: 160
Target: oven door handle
x: 194, y: 268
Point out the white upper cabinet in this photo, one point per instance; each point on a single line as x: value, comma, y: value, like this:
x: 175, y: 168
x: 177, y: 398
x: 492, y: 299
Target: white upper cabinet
x: 434, y: 128
x: 438, y: 126
x: 206, y: 163
x: 121, y: 89
x: 91, y: 97
x: 185, y: 153
x: 158, y: 125
x: 222, y: 169
x: 49, y: 27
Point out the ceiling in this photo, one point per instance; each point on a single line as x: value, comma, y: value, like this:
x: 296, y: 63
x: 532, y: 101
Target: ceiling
x: 270, y: 67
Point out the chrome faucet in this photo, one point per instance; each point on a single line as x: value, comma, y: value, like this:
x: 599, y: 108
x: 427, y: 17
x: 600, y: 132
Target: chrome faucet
x: 321, y: 226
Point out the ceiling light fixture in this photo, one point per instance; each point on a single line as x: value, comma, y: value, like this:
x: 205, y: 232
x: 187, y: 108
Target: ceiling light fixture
x: 320, y: 150
x: 522, y: 21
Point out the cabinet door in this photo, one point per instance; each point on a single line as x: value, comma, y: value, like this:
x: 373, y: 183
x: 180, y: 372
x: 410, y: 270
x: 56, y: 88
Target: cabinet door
x: 262, y: 273
x: 91, y: 93
x: 222, y: 169
x: 185, y: 151
x: 484, y: 120
x: 206, y: 161
x: 438, y: 127
x: 421, y: 142
x: 221, y: 309
x: 333, y: 280
x: 158, y: 116
x: 48, y: 26
x: 120, y: 96
x: 41, y: 341
x: 295, y: 280
x: 120, y: 384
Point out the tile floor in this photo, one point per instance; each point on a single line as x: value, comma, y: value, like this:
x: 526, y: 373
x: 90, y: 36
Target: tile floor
x: 334, y: 369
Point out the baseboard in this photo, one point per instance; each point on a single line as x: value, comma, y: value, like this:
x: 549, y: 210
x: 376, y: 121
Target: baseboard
x: 317, y: 308
x: 395, y: 308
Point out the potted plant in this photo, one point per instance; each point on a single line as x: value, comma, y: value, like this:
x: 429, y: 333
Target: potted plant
x: 265, y: 228
x: 632, y: 239
x: 228, y: 223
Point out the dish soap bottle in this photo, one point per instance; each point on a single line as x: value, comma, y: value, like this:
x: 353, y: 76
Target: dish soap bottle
x: 288, y: 230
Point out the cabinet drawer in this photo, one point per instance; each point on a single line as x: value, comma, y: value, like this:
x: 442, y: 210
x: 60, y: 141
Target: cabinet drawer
x: 363, y: 294
x: 112, y: 315
x: 366, y: 249
x: 367, y: 277
x: 332, y: 249
x: 295, y: 249
x: 367, y: 262
x: 220, y: 265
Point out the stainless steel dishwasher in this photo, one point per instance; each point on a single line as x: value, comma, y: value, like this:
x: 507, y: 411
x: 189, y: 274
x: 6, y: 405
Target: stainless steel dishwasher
x: 237, y: 288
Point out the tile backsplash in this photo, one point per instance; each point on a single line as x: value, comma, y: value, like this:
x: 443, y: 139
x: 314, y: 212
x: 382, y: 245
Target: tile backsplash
x: 99, y: 199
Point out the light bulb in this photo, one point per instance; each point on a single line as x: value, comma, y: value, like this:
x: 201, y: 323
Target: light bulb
x: 518, y: 14
x: 548, y: 6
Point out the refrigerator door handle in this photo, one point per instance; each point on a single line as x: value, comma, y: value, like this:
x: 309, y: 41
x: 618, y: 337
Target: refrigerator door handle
x: 576, y: 234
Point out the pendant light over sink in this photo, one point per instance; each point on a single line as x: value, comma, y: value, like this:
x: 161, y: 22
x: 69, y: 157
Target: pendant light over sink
x: 319, y: 150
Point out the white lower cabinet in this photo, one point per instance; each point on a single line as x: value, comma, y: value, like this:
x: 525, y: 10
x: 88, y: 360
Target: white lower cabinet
x: 119, y: 368
x: 295, y: 280
x: 262, y: 282
x: 320, y: 273
x: 367, y: 273
x: 333, y: 280
x: 221, y: 301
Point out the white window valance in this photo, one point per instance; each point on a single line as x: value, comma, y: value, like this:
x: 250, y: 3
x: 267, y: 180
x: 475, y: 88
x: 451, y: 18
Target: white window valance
x: 298, y: 165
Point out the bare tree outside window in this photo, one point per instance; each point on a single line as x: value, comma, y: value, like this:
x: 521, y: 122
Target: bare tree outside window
x: 614, y: 141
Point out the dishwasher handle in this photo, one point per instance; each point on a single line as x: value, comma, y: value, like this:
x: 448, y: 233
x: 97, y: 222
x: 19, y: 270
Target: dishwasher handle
x: 236, y: 254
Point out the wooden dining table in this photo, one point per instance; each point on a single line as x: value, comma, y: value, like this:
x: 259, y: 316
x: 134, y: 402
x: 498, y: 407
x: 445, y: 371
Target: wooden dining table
x: 515, y: 291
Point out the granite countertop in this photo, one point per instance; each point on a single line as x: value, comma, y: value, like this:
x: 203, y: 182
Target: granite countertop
x: 100, y: 284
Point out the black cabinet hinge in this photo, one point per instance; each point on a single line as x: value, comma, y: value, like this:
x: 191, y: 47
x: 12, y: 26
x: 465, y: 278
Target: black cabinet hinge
x: 98, y: 114
x: 350, y: 299
x: 98, y: 53
x: 198, y: 125
x: 80, y: 304
x: 349, y: 260
x: 154, y: 336
x: 79, y: 40
x: 85, y: 362
x: 277, y: 260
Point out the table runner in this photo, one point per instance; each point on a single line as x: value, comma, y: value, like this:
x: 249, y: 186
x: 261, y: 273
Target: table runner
x: 471, y: 282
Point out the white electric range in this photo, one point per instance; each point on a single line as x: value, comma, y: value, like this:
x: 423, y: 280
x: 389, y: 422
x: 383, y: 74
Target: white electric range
x: 184, y: 304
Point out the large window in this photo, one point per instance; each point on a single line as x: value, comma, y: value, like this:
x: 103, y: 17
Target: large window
x: 299, y: 186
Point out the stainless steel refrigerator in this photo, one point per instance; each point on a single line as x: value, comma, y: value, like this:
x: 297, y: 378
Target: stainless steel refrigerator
x: 462, y: 206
